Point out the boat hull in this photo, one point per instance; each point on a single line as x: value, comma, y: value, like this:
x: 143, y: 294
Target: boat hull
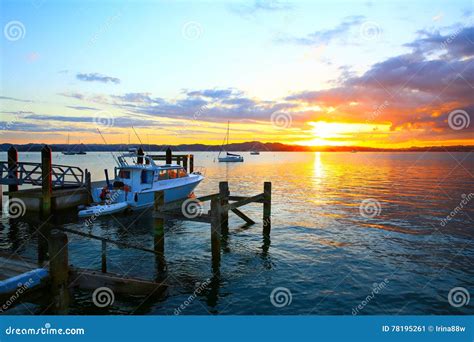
x: 173, y: 191
x: 231, y: 159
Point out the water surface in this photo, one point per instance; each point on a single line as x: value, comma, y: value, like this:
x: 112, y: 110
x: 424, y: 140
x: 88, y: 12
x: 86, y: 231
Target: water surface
x: 321, y: 249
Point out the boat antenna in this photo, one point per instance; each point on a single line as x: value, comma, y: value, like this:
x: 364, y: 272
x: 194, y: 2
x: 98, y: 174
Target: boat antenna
x: 137, y: 136
x: 105, y: 142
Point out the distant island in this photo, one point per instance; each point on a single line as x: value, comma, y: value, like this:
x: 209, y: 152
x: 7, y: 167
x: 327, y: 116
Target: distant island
x: 241, y: 147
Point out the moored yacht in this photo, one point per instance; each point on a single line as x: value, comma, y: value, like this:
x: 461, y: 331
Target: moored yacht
x: 137, y: 178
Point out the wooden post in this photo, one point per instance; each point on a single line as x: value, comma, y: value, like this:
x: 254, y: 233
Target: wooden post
x: 59, y: 269
x: 169, y: 155
x: 267, y: 208
x: 140, y: 155
x: 159, y: 236
x: 47, y: 186
x: 224, y: 200
x: 88, y: 184
x: 104, y: 256
x: 215, y: 232
x: 12, y: 168
x: 185, y: 162
x: 44, y: 232
x: 191, y: 163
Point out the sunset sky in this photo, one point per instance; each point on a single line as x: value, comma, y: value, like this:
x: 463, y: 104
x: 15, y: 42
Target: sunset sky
x: 381, y: 74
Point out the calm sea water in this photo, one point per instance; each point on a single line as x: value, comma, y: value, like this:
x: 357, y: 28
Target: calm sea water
x: 323, y: 250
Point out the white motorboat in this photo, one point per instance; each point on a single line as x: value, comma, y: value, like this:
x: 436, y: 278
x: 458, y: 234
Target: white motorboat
x: 136, y: 180
x: 103, y: 209
x: 228, y: 157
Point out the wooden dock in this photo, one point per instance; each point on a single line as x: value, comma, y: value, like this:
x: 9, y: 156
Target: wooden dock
x: 218, y: 215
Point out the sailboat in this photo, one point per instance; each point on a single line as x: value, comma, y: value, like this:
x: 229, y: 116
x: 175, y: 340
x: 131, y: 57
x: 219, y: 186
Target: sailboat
x: 228, y: 157
x: 81, y: 150
x: 68, y: 152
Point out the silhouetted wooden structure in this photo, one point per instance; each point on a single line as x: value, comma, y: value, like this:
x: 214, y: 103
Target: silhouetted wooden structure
x: 218, y: 216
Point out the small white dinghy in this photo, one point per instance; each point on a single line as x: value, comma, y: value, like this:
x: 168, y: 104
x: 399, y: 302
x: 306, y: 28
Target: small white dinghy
x: 103, y: 209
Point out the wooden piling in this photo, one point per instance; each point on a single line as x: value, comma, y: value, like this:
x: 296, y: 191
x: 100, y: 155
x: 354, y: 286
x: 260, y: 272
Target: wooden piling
x: 224, y: 200
x: 12, y: 168
x: 215, y: 232
x: 185, y: 162
x: 104, y: 257
x: 191, y: 163
x: 59, y: 269
x: 88, y: 184
x: 169, y: 155
x: 159, y: 233
x: 140, y: 154
x: 47, y: 187
x: 267, y: 207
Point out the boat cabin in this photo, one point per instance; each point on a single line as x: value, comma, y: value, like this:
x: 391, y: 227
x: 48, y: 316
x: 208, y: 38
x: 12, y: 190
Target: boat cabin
x: 141, y: 177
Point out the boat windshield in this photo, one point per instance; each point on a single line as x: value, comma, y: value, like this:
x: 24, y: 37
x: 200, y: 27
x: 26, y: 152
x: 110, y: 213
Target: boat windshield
x: 172, y: 173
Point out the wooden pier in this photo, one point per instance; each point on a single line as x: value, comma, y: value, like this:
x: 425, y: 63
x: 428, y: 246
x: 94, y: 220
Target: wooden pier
x: 185, y: 160
x: 218, y: 215
x: 61, y: 186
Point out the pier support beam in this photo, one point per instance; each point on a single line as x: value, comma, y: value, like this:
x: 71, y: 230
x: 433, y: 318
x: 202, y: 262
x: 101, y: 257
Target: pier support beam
x: 88, y: 184
x: 215, y: 233
x: 224, y: 200
x: 47, y: 187
x: 12, y: 168
x: 191, y: 163
x: 140, y: 154
x: 267, y: 208
x: 159, y: 234
x: 59, y: 269
x: 185, y: 163
x: 169, y: 155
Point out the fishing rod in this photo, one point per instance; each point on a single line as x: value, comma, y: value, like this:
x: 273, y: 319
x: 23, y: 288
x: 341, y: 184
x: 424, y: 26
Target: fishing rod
x: 140, y: 140
x: 105, y: 142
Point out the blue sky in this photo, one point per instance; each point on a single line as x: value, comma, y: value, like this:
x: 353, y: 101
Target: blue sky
x: 263, y: 50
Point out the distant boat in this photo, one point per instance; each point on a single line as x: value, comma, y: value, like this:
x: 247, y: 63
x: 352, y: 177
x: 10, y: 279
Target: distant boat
x: 256, y: 153
x: 228, y: 157
x: 81, y: 151
x: 68, y: 153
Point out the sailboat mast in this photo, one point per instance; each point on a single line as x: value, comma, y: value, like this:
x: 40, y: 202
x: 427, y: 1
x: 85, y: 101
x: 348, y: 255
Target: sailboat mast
x: 228, y: 123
